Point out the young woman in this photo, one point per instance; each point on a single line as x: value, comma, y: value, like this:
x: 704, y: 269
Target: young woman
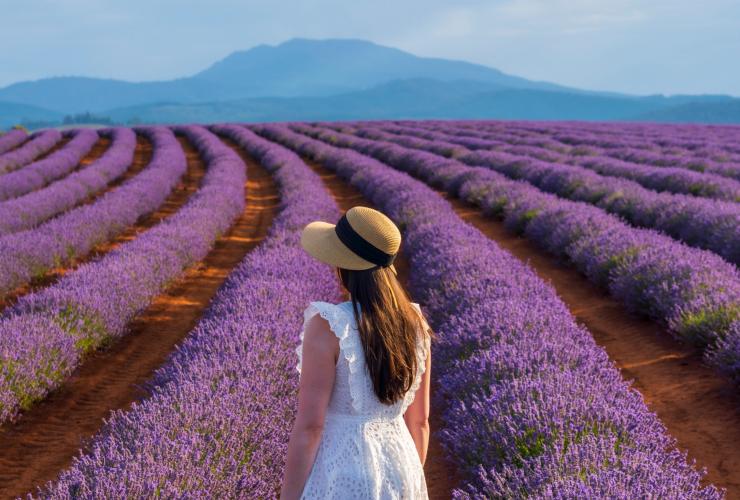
x: 362, y: 428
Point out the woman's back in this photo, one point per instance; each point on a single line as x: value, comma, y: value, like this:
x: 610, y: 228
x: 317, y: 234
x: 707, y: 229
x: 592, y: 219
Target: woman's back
x: 366, y: 449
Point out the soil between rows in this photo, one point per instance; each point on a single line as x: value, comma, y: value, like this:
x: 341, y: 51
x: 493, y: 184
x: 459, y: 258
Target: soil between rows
x: 700, y: 408
x: 100, y: 147
x: 440, y: 474
x: 45, y: 440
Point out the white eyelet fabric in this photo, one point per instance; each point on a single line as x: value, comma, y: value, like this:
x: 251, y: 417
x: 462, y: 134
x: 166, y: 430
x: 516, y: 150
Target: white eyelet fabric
x: 366, y: 450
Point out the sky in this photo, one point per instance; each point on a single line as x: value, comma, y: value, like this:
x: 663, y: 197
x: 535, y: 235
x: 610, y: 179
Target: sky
x: 633, y: 46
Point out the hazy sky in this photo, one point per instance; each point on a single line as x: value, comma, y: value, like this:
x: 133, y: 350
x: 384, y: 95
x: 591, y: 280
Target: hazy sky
x: 637, y: 46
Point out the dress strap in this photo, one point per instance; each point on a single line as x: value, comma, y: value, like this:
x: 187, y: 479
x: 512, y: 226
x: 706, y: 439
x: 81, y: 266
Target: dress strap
x: 341, y: 323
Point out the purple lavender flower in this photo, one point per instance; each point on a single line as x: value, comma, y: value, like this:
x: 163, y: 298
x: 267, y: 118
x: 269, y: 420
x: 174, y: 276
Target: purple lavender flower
x: 38, y: 144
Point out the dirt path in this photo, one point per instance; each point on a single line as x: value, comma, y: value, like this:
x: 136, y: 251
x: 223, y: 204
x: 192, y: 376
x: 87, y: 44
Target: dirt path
x: 47, y: 437
x: 440, y: 476
x: 100, y: 147
x: 142, y: 155
x: 699, y: 407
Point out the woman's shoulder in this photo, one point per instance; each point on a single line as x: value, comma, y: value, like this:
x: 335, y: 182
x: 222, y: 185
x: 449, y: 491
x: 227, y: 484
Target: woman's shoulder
x: 334, y: 314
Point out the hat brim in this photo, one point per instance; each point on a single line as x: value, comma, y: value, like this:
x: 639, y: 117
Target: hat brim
x: 320, y: 240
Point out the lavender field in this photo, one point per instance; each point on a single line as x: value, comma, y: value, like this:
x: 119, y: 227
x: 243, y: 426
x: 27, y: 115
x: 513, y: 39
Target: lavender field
x: 582, y: 279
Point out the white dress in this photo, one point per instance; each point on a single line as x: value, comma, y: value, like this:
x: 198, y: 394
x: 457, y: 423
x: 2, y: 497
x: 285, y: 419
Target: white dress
x: 366, y: 450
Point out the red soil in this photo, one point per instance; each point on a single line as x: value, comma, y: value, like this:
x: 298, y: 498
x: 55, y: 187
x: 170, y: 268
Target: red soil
x: 440, y: 474
x: 100, y: 147
x: 47, y: 437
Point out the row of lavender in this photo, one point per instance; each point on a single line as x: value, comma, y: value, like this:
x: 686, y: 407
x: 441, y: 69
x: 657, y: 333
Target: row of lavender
x: 218, y: 421
x: 73, y: 234
x: 704, y: 223
x: 715, y: 159
x: 37, y: 206
x: 45, y: 334
x: 38, y: 144
x: 12, y: 139
x: 699, y: 148
x: 694, y: 292
x: 670, y: 179
x: 53, y: 167
x: 533, y: 406
x: 711, y: 149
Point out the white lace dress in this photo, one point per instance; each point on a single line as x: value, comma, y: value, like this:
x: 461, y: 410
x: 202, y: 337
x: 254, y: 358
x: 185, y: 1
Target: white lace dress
x: 366, y: 450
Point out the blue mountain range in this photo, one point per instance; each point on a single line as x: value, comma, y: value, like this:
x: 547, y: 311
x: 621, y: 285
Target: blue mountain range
x: 305, y: 79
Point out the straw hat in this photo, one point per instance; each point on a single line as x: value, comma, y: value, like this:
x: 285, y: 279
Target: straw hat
x: 362, y: 239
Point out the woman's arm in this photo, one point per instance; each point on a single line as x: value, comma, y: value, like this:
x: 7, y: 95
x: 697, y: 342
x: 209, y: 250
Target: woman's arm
x: 417, y: 414
x: 319, y: 359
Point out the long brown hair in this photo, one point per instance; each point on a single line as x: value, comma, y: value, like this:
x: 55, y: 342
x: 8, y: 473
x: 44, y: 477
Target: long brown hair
x: 389, y: 327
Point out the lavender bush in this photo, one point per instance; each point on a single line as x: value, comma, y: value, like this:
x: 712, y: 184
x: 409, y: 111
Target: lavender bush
x: 704, y: 223
x: 53, y: 167
x: 700, y: 148
x: 12, y: 139
x: 717, y: 143
x: 674, y: 180
x: 38, y: 144
x: 533, y: 407
x: 74, y: 234
x: 95, y: 302
x: 35, y: 207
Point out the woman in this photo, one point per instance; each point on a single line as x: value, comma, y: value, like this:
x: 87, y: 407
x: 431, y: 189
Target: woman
x: 362, y: 427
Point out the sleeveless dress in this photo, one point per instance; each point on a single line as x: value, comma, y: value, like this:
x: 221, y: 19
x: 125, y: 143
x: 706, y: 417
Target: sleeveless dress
x: 366, y: 450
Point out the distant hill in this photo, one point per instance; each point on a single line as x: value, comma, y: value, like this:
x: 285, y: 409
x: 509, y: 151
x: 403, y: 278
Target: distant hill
x: 342, y: 79
x: 423, y: 98
x: 298, y: 67
x: 302, y: 67
x: 12, y: 113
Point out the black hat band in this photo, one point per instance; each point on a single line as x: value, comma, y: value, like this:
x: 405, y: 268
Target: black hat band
x: 360, y: 245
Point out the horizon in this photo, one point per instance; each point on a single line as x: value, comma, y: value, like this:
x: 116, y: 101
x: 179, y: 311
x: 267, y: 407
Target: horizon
x: 582, y: 44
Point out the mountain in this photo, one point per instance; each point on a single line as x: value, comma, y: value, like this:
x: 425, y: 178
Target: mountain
x: 302, y: 67
x: 343, y: 79
x: 421, y: 98
x: 12, y: 113
x: 298, y: 67
x: 80, y: 94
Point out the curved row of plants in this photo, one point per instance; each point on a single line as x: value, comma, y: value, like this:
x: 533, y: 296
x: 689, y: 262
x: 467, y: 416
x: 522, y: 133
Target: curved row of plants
x: 695, y: 293
x: 533, y: 407
x: 38, y: 144
x: 46, y: 333
x: 55, y: 166
x: 703, y: 149
x: 218, y: 421
x: 698, y: 149
x: 670, y: 179
x: 35, y: 207
x: 703, y: 223
x: 12, y: 139
x: 73, y: 234
x: 562, y: 146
